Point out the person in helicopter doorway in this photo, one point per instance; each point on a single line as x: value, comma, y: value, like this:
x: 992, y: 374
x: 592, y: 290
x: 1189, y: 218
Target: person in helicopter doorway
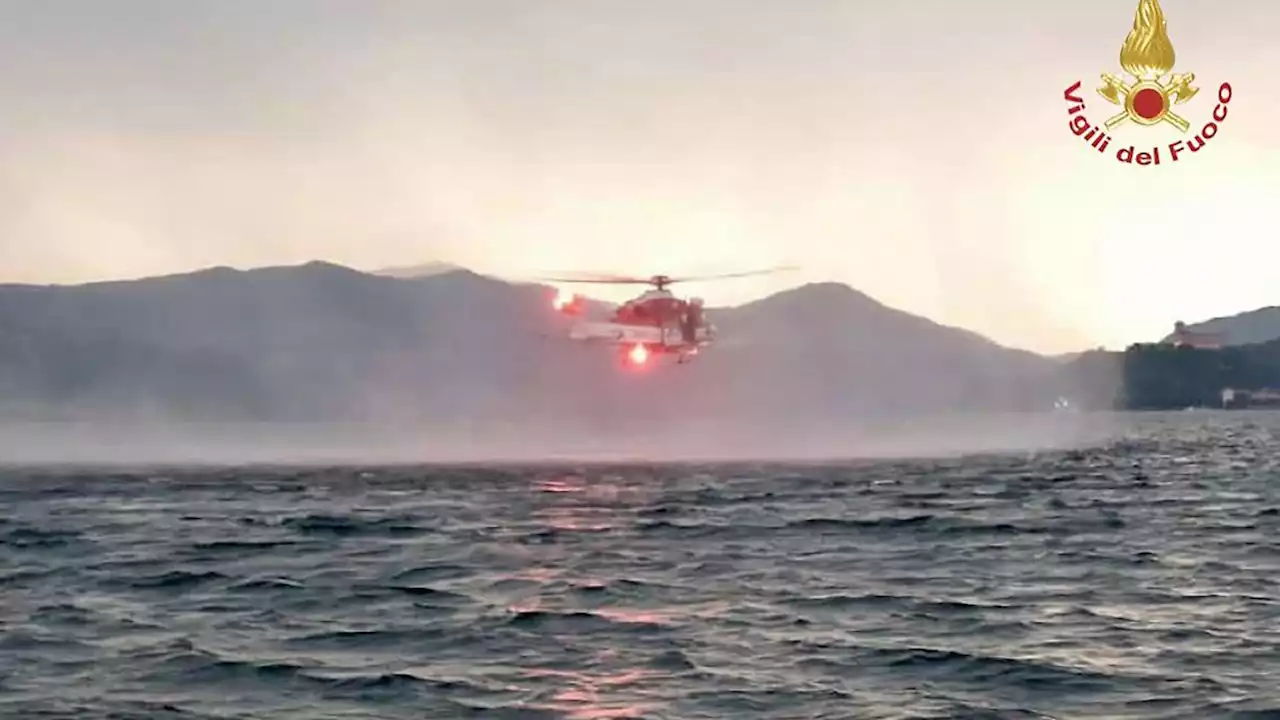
x: 691, y: 321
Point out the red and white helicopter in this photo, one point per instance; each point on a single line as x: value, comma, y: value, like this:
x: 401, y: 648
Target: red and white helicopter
x: 655, y: 323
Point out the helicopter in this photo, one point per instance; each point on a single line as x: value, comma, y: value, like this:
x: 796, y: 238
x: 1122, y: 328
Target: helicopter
x: 653, y: 324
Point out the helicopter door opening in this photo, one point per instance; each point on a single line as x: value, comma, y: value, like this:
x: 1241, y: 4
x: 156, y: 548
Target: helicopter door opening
x: 690, y: 321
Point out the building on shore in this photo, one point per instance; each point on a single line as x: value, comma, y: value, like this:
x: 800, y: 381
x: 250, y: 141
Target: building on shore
x: 1236, y: 399
x: 1185, y: 337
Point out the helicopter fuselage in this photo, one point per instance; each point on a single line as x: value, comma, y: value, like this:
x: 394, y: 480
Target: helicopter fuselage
x: 655, y: 321
x: 654, y: 307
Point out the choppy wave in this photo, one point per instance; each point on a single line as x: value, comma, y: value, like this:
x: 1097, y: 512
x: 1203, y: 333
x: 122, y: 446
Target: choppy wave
x: 1133, y: 580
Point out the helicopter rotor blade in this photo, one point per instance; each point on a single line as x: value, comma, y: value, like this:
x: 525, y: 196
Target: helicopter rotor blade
x: 599, y: 281
x: 591, y: 277
x: 726, y: 276
x: 606, y: 279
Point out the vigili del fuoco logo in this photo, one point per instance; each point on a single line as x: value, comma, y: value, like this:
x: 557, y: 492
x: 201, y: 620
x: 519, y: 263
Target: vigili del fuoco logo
x: 1148, y: 96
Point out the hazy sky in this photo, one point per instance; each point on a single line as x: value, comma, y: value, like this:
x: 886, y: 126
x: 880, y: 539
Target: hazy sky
x: 918, y: 151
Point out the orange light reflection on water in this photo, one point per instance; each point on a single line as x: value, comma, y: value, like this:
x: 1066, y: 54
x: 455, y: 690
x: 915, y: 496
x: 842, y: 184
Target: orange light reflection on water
x: 587, y: 507
x: 593, y: 697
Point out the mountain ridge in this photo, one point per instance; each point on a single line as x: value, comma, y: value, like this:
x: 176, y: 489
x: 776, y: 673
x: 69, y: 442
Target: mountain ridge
x: 325, y: 341
x: 420, y: 270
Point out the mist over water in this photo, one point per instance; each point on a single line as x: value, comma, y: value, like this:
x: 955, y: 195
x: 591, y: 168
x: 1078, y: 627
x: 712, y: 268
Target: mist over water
x: 681, y: 440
